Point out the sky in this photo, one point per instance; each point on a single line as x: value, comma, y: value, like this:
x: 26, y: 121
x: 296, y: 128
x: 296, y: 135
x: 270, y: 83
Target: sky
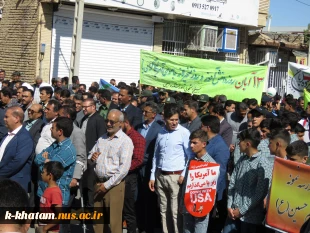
x: 289, y: 13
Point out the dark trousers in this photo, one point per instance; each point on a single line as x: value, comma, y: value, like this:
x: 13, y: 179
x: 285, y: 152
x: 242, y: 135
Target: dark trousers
x: 237, y: 226
x: 147, y: 204
x: 129, y: 210
x: 218, y: 215
x: 89, y: 180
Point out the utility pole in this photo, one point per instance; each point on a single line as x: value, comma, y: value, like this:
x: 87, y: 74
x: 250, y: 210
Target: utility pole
x: 76, y: 39
x: 269, y: 17
x: 308, y: 36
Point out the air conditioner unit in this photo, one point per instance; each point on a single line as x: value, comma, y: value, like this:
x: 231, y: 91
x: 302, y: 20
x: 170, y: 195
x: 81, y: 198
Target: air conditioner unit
x: 227, y: 40
x: 203, y: 37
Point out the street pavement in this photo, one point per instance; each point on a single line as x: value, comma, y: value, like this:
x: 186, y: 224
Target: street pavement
x: 77, y: 229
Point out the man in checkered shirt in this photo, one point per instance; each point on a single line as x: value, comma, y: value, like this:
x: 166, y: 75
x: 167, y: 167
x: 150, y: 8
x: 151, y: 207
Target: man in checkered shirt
x: 248, y: 187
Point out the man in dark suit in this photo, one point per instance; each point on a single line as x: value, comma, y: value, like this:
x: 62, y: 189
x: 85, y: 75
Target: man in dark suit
x: 219, y: 151
x: 34, y: 125
x: 191, y: 113
x: 106, y: 104
x: 225, y: 129
x: 93, y: 126
x: 134, y: 114
x: 16, y: 149
x: 147, y: 207
x: 3, y: 129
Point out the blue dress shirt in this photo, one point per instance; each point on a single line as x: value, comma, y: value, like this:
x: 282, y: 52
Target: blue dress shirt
x: 172, y: 150
x: 146, y: 128
x: 219, y: 151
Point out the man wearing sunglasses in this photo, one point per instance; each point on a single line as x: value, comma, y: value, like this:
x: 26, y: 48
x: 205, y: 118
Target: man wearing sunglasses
x: 111, y: 159
x: 93, y: 126
x: 34, y: 126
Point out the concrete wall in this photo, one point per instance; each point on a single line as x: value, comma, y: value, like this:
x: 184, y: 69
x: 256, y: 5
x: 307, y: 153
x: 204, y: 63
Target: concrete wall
x: 45, y: 37
x: 158, y: 37
x: 19, y: 37
x: 243, y: 45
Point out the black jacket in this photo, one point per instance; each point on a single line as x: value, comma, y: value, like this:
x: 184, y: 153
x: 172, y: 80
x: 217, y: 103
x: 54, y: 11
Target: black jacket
x: 96, y: 127
x: 134, y: 115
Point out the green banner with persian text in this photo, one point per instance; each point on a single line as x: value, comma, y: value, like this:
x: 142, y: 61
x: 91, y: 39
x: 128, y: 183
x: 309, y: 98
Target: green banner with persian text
x: 202, y: 76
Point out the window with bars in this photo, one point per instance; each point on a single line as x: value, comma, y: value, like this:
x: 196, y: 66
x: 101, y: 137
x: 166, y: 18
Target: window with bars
x: 175, y: 38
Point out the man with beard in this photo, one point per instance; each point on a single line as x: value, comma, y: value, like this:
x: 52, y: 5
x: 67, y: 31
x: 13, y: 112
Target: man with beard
x: 27, y: 98
x: 93, y: 126
x: 78, y: 99
x: 194, y: 122
x: 238, y: 121
x: 106, y: 103
x: 134, y: 114
x: 111, y: 158
x: 147, y: 200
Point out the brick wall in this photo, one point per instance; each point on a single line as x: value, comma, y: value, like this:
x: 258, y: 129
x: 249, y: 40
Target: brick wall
x: 18, y: 38
x: 263, y: 12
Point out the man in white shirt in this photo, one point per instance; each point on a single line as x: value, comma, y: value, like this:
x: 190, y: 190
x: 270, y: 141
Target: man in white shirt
x: 2, y: 77
x: 50, y: 113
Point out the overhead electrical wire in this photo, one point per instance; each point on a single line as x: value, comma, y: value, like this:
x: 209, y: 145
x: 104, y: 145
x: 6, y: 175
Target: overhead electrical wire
x: 303, y: 3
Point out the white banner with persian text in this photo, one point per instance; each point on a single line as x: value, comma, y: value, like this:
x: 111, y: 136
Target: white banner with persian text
x: 244, y: 12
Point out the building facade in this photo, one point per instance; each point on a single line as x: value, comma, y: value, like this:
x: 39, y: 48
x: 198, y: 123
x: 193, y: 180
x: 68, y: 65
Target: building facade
x: 114, y: 32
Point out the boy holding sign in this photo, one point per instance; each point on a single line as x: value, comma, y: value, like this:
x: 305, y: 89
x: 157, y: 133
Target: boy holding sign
x: 248, y: 187
x: 196, y: 197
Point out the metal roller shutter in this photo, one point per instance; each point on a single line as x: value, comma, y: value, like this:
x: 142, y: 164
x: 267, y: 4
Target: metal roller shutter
x: 110, y: 46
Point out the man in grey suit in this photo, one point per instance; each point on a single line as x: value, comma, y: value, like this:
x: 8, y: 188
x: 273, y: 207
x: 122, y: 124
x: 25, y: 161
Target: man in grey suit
x: 147, y: 200
x: 78, y: 140
x: 34, y: 125
x: 225, y: 129
x: 191, y: 111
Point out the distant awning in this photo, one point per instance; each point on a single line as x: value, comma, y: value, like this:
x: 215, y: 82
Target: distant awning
x: 261, y: 39
x: 299, y: 53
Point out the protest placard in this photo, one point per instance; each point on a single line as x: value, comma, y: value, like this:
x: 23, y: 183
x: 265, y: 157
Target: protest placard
x: 200, y: 192
x: 289, y: 201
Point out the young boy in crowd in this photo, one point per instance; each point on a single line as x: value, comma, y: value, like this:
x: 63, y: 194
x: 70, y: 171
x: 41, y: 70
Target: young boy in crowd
x: 297, y: 152
x: 198, y: 143
x: 248, y: 186
x: 51, y: 200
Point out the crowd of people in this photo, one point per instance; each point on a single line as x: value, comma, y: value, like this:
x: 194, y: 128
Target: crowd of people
x: 130, y: 150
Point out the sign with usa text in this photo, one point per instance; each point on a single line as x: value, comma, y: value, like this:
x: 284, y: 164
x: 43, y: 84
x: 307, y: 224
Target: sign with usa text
x: 200, y: 192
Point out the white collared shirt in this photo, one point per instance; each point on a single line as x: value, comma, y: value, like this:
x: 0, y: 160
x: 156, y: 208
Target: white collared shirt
x: 222, y: 120
x: 6, y: 141
x: 46, y: 138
